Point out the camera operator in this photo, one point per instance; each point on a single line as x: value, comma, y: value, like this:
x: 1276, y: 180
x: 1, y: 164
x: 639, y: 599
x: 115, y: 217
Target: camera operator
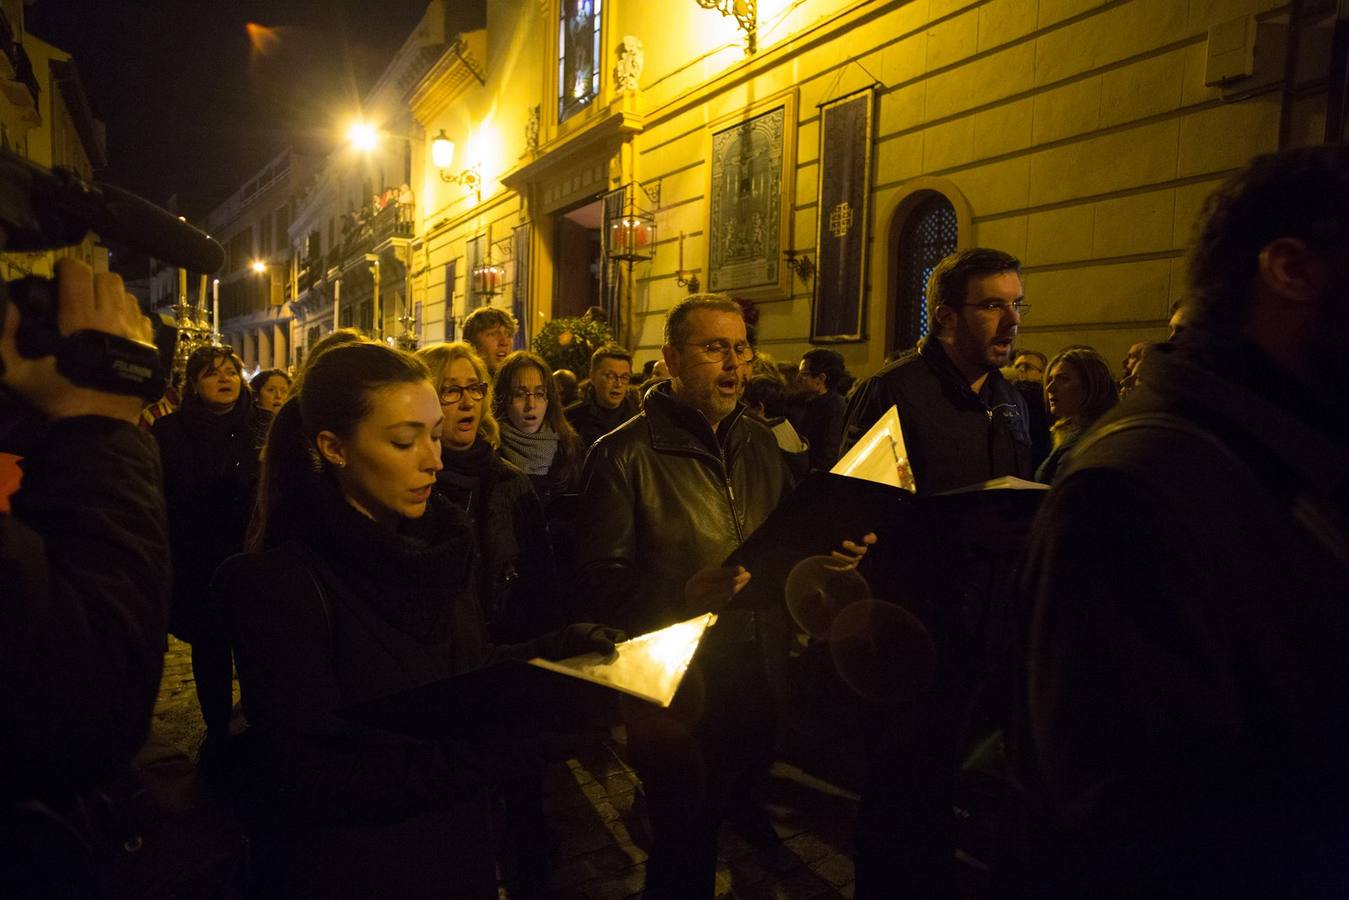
x: 84, y: 581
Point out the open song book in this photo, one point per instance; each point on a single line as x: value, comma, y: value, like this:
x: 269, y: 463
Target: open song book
x: 650, y: 666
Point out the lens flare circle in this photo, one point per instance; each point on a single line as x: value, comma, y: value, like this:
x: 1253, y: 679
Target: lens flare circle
x: 817, y: 588
x: 882, y: 652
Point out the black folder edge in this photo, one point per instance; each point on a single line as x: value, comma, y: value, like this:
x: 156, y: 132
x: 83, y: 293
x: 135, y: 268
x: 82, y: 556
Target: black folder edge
x: 826, y: 509
x: 814, y: 520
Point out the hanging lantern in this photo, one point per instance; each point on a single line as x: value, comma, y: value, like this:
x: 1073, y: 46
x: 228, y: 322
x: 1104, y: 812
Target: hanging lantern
x: 487, y: 279
x: 632, y: 236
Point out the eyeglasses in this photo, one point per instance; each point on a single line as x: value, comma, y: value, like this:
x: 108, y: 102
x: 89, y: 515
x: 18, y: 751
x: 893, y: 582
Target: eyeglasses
x: 1000, y: 307
x: 538, y: 396
x: 453, y: 393
x: 615, y: 378
x: 721, y: 349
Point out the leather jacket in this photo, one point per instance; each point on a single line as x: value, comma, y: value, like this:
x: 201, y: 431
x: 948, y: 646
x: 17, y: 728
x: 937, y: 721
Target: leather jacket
x: 663, y: 496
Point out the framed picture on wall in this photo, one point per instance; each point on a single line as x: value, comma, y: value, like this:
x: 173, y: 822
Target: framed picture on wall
x: 838, y: 311
x: 750, y: 189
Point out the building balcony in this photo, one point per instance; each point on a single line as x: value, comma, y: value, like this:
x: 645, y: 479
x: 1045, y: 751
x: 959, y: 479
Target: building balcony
x: 365, y: 234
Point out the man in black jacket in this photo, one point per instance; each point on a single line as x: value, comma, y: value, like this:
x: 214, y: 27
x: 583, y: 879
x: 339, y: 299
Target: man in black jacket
x: 821, y: 373
x: 962, y: 422
x: 664, y: 499
x: 84, y: 574
x: 606, y: 402
x: 1189, y: 652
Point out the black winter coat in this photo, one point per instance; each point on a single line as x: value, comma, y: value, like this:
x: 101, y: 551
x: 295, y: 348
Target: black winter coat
x: 1189, y: 653
x: 517, y: 578
x: 84, y: 575
x: 664, y: 496
x: 822, y: 427
x: 593, y: 421
x: 355, y: 810
x: 210, y: 476
x: 954, y: 437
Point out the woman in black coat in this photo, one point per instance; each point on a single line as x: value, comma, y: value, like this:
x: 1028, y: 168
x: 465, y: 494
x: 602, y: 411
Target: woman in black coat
x: 362, y: 585
x: 519, y: 573
x: 209, y: 449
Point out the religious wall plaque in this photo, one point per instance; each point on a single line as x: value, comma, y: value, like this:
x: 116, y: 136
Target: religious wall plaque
x: 749, y: 196
x: 844, y: 210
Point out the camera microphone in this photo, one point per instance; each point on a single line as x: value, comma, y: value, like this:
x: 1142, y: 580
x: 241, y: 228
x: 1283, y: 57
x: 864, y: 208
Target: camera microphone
x: 42, y: 210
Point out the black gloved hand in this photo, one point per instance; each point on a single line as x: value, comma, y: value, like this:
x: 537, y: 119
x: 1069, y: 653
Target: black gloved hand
x: 585, y: 637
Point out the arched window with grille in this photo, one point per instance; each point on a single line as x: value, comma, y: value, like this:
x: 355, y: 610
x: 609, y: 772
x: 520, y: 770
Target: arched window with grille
x: 929, y: 233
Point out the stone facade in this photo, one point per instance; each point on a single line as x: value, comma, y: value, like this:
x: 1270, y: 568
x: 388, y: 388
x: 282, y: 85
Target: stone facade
x: 1080, y: 135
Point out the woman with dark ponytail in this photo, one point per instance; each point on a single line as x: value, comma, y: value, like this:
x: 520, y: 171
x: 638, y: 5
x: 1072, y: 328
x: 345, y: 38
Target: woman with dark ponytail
x: 360, y: 585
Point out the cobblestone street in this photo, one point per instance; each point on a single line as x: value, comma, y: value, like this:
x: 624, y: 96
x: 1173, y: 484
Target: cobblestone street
x: 594, y: 808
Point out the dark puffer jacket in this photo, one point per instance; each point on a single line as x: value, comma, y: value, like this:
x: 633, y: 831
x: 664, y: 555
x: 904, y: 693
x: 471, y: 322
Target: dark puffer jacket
x: 210, y: 474
x: 84, y: 573
x: 662, y: 497
x: 954, y: 437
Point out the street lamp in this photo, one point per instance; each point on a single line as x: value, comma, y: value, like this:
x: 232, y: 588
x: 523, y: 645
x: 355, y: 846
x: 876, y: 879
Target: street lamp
x: 363, y: 136
x: 258, y: 266
x: 442, y: 156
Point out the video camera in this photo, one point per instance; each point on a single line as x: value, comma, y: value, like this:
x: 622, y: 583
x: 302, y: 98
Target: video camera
x: 45, y: 210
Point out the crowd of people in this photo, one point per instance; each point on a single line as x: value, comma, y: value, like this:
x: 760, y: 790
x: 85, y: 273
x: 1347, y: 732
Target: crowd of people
x: 1157, y: 652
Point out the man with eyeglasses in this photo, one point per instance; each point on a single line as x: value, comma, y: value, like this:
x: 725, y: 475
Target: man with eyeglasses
x: 664, y: 500
x: 818, y: 378
x: 606, y: 402
x: 962, y: 422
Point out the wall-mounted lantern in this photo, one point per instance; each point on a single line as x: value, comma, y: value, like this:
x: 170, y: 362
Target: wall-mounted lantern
x: 632, y: 234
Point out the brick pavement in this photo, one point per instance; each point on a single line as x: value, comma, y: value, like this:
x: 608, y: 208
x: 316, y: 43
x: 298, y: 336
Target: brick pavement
x: 594, y: 807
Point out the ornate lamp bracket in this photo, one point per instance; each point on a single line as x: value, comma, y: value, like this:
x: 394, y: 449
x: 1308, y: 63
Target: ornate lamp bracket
x: 746, y: 15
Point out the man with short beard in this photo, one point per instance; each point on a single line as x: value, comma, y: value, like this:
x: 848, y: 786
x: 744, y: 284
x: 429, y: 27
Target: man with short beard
x: 962, y: 422
x: 664, y: 499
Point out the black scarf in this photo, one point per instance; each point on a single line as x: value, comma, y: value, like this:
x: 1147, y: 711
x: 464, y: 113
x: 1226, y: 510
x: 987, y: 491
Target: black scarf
x: 463, y: 480
x: 410, y: 577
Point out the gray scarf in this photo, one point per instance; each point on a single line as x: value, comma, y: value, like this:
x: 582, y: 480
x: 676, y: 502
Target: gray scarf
x: 533, y: 453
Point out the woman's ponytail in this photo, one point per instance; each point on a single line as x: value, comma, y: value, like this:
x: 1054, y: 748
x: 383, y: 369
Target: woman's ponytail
x: 288, y: 465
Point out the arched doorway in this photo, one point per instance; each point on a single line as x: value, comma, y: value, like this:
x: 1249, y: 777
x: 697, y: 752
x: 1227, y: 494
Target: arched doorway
x: 928, y: 230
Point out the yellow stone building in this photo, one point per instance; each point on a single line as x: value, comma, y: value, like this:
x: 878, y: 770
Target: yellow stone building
x: 1080, y: 135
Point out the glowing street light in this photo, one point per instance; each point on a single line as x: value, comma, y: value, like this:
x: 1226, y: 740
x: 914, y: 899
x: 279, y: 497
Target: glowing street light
x: 363, y: 136
x: 258, y: 266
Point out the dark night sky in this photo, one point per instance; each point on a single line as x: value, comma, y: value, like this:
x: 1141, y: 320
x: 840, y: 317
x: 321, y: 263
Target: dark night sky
x: 193, y: 107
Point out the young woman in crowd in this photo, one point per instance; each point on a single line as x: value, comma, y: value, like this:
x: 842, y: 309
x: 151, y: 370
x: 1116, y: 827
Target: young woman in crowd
x: 1079, y: 389
x: 270, y: 388
x: 209, y: 449
x: 361, y: 584
x: 535, y: 435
